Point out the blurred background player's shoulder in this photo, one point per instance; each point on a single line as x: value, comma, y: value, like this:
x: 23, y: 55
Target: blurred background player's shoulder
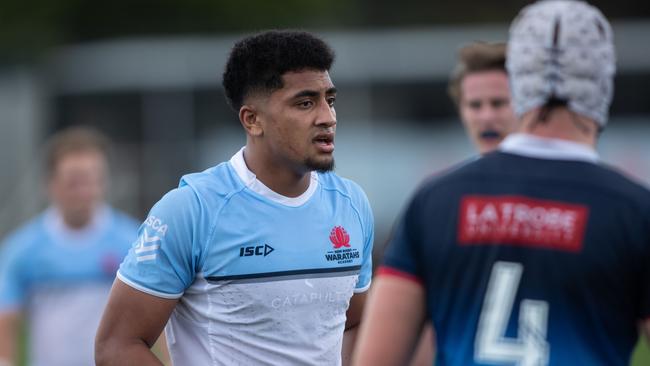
x: 56, y: 269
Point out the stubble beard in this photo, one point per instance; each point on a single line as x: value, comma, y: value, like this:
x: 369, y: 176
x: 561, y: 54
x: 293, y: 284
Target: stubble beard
x: 322, y: 166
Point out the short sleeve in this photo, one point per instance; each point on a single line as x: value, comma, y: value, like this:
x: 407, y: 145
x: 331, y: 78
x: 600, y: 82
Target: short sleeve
x: 368, y: 222
x: 13, y: 276
x: 165, y: 257
x: 400, y: 257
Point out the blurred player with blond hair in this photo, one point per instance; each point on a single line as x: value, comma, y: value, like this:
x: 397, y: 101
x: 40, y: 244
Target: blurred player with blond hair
x: 480, y: 89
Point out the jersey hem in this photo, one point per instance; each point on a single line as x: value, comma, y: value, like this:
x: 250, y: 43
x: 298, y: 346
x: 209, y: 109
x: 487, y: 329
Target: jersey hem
x: 390, y: 271
x: 147, y: 290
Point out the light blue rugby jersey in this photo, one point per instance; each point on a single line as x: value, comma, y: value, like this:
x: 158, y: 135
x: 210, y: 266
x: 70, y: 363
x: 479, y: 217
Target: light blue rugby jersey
x: 262, y: 278
x: 61, y: 279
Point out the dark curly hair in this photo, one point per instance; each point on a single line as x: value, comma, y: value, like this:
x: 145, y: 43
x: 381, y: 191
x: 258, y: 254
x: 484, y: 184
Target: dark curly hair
x: 257, y: 63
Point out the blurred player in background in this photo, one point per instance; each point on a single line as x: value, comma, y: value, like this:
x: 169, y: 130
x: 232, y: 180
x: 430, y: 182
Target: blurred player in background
x: 263, y: 259
x: 56, y: 271
x: 537, y: 254
x: 480, y: 89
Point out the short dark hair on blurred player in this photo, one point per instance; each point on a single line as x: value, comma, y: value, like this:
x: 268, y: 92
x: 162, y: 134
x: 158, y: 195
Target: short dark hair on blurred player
x: 257, y: 63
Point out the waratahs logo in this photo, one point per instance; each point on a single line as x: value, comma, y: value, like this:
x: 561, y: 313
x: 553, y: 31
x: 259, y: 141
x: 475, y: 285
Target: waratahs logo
x: 342, y: 252
x: 339, y: 237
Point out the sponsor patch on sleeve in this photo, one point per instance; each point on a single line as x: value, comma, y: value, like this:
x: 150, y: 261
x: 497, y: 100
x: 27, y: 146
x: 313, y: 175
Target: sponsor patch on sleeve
x: 521, y: 221
x: 148, y: 243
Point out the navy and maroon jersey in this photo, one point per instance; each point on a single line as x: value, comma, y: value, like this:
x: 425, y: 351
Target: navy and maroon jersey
x: 533, y: 255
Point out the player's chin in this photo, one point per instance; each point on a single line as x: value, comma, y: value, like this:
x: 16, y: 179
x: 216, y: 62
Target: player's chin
x: 320, y: 163
x: 488, y: 143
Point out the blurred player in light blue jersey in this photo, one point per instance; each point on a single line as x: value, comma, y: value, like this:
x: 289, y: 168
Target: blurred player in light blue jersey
x: 537, y: 253
x: 56, y: 270
x: 263, y: 259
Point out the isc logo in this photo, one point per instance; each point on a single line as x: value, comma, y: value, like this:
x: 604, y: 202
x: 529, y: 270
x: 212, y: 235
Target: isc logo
x: 255, y: 250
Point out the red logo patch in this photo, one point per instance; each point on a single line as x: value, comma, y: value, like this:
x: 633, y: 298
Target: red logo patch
x: 522, y: 221
x: 339, y: 237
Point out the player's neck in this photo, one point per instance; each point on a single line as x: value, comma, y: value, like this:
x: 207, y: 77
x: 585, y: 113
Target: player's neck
x: 560, y: 123
x: 276, y: 175
x: 76, y: 220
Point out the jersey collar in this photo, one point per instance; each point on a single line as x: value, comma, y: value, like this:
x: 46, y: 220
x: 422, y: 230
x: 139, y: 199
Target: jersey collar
x: 547, y: 148
x: 250, y: 180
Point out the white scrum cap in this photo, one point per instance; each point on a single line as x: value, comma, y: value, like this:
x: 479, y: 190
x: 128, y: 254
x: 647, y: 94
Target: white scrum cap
x: 562, y: 49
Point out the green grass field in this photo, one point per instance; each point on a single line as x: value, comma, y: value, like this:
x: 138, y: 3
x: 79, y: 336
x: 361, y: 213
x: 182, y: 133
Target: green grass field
x: 641, y: 355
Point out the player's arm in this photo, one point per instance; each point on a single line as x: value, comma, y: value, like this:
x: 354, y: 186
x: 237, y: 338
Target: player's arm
x: 132, y: 322
x: 391, y: 323
x: 353, y: 319
x: 425, y: 350
x: 9, y: 325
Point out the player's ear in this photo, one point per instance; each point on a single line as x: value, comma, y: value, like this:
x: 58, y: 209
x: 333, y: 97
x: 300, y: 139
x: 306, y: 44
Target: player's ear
x: 249, y: 118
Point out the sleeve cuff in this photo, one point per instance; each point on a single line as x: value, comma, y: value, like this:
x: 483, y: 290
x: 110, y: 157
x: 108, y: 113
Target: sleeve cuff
x: 390, y: 271
x: 141, y: 288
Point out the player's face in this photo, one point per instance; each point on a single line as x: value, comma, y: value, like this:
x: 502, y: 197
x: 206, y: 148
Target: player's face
x: 299, y: 122
x: 485, y: 108
x: 77, y: 185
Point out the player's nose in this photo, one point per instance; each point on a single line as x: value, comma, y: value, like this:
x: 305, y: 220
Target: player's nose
x: 488, y: 114
x: 326, y: 115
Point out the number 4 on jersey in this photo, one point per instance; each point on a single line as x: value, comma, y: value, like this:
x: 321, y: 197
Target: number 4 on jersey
x: 530, y: 348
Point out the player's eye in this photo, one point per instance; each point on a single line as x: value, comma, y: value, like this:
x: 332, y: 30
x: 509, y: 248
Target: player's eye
x: 498, y: 103
x: 305, y: 104
x: 331, y: 100
x: 474, y: 104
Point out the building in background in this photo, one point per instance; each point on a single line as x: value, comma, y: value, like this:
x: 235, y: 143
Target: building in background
x: 161, y: 101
